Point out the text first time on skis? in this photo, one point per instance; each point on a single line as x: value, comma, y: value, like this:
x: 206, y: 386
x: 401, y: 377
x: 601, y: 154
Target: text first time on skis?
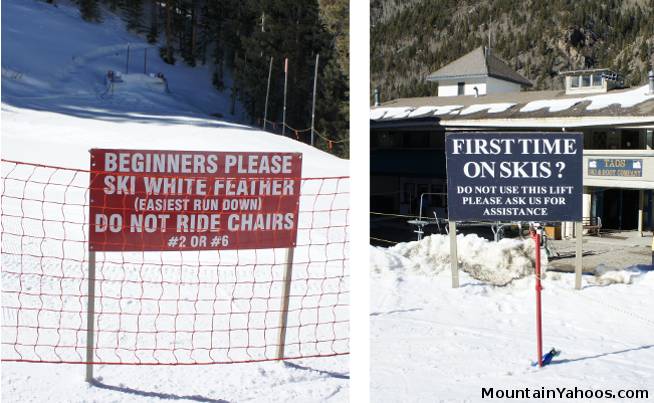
x: 515, y: 176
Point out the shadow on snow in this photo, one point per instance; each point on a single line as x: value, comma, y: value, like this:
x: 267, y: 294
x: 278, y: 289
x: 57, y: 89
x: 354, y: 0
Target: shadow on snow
x: 590, y: 357
x: 330, y: 374
x: 159, y: 395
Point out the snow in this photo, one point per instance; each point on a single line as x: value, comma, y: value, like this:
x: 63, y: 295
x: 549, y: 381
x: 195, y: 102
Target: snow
x: 491, y: 108
x: 422, y: 111
x: 406, y: 112
x: 447, y: 109
x: 552, y: 105
x: 434, y: 110
x: 377, y: 113
x: 428, y: 339
x: 390, y: 113
x: 484, y: 260
x: 625, y: 99
x: 55, y: 107
x: 48, y: 67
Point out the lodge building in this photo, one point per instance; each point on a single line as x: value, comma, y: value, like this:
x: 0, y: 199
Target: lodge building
x: 480, y: 92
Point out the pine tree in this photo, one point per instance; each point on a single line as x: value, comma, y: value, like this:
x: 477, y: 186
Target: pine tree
x: 243, y: 35
x: 153, y: 31
x: 336, y: 15
x: 188, y: 31
x: 114, y: 4
x: 133, y: 10
x: 89, y: 10
x: 167, y: 51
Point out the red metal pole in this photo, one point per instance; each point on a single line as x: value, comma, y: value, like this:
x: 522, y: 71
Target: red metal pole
x: 539, y: 325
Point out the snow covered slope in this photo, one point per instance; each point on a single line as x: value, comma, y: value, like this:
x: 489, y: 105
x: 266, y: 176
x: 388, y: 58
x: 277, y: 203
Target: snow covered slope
x: 55, y: 107
x: 54, y: 94
x: 432, y: 342
x: 53, y: 60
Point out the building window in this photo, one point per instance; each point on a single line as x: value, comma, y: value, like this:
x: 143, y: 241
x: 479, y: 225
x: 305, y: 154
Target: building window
x: 597, y: 80
x: 385, y: 140
x: 460, y: 88
x: 416, y: 140
x: 585, y: 81
x: 574, y: 82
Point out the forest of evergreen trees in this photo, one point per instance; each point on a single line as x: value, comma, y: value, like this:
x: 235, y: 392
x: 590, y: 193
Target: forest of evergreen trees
x: 412, y: 38
x: 241, y: 36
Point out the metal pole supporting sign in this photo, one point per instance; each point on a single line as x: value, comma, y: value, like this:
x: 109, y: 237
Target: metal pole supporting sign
x: 536, y: 234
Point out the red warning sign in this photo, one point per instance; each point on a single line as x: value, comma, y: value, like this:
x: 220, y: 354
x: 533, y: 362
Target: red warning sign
x: 145, y: 200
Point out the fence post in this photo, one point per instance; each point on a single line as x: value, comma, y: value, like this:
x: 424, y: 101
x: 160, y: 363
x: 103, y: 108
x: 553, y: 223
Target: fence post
x: 454, y: 257
x: 127, y: 62
x: 90, y: 318
x: 265, y: 109
x: 578, y: 254
x: 285, y: 86
x: 283, y: 319
x: 313, y: 105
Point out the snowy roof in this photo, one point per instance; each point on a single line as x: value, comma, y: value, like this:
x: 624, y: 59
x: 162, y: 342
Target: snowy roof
x: 583, y: 71
x: 478, y: 63
x: 518, y: 105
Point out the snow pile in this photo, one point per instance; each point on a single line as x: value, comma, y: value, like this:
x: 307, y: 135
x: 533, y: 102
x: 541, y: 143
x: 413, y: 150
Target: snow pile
x: 376, y: 114
x: 495, y: 263
x: 423, y: 111
x: 625, y: 99
x: 605, y: 275
x: 552, y: 105
x: 390, y: 113
x: 448, y: 109
x: 491, y: 108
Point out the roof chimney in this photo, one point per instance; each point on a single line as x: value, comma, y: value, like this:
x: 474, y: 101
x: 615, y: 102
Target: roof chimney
x: 651, y: 82
x: 377, y: 97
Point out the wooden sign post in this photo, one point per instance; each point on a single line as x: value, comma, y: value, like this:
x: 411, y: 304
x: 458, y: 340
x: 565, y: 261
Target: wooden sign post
x: 454, y: 257
x: 90, y: 319
x: 579, y: 228
x: 286, y: 291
